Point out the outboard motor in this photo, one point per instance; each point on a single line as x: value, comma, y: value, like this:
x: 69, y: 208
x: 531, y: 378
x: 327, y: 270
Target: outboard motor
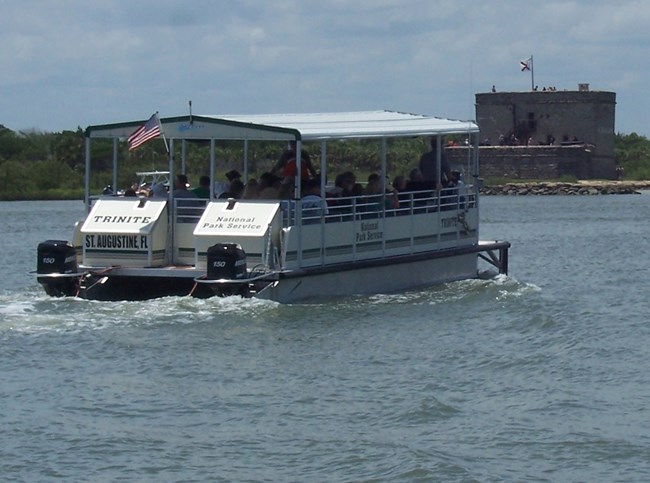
x: 227, y: 261
x: 57, y: 261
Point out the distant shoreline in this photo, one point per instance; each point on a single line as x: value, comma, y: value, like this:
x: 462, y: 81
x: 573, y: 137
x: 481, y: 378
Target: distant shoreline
x: 529, y: 188
x: 586, y: 187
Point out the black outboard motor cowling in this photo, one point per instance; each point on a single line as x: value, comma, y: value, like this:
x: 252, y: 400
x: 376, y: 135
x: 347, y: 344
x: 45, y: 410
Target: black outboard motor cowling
x: 226, y: 261
x: 57, y: 257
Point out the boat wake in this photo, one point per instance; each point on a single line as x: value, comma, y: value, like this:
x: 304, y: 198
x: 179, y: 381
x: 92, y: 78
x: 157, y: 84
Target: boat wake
x: 499, y: 287
x: 37, y: 313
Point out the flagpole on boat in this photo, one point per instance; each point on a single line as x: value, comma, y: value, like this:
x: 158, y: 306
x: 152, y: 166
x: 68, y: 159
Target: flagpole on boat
x: 184, y: 143
x: 162, y: 132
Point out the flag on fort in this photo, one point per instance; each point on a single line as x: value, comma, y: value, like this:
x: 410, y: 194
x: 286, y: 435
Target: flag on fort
x: 144, y: 133
x: 525, y: 64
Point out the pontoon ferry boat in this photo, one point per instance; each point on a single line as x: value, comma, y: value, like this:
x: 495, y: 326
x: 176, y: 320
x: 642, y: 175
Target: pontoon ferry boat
x: 145, y: 247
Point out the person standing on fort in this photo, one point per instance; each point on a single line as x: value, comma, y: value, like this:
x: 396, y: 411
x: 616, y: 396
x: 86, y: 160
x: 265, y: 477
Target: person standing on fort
x: 429, y: 166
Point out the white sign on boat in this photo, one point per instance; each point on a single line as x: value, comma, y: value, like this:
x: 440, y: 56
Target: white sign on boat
x: 236, y: 219
x: 123, y: 215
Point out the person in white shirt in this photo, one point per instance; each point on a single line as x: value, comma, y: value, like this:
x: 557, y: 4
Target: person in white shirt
x: 314, y: 207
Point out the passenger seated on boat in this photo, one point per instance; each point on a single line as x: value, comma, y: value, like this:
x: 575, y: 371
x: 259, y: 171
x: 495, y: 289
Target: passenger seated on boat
x: 236, y: 190
x: 416, y: 181
x: 376, y: 202
x: 251, y: 191
x: 181, y: 193
x: 143, y: 190
x: 203, y: 190
x: 286, y: 165
x: 456, y: 191
x: 399, y: 184
x: 180, y: 187
x: 223, y: 186
x: 158, y: 190
x: 422, y: 189
x: 339, y: 196
x: 343, y: 184
x: 461, y: 187
x: 269, y: 186
x: 314, y: 207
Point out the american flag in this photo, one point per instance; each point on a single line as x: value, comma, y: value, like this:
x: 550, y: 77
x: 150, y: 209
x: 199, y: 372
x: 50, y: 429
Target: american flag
x: 144, y: 133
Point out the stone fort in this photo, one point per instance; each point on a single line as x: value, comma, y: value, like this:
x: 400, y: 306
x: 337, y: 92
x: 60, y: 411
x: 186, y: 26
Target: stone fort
x: 547, y: 134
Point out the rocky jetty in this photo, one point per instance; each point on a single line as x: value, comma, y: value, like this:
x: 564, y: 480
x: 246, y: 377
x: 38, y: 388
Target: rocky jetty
x: 572, y: 189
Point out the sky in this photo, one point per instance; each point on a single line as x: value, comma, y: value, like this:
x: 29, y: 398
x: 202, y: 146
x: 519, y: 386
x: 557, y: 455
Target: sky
x: 73, y: 63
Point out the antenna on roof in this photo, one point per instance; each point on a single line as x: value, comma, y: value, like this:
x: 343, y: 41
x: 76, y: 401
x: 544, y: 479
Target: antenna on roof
x: 191, y: 120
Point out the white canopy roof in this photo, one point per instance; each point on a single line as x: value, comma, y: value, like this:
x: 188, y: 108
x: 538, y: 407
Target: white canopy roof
x: 314, y: 126
x: 357, y: 124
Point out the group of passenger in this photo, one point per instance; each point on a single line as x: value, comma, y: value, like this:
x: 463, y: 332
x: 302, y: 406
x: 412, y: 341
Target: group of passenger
x: 279, y: 183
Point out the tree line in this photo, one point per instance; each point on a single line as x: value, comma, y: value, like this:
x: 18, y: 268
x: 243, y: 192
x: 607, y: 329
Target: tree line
x: 39, y: 165
x: 36, y: 165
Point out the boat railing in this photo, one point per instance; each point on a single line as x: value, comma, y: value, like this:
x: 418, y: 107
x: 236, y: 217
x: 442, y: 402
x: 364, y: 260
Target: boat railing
x: 189, y: 210
x: 376, y: 206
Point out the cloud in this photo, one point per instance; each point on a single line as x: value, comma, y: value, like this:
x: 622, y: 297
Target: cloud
x: 87, y: 63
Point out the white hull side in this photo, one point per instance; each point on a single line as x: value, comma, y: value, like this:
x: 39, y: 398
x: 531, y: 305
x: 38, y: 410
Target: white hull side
x: 371, y: 280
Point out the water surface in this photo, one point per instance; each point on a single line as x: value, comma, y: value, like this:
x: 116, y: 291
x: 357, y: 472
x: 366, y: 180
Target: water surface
x: 540, y: 375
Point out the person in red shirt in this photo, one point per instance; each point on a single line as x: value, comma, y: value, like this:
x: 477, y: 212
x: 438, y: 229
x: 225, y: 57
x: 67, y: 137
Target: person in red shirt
x: 286, y: 165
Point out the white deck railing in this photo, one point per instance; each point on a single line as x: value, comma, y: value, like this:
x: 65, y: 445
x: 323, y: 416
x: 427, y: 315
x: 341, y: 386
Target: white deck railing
x: 374, y: 206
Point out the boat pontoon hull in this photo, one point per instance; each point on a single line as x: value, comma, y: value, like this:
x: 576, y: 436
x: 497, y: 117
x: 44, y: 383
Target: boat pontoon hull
x: 368, y: 277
